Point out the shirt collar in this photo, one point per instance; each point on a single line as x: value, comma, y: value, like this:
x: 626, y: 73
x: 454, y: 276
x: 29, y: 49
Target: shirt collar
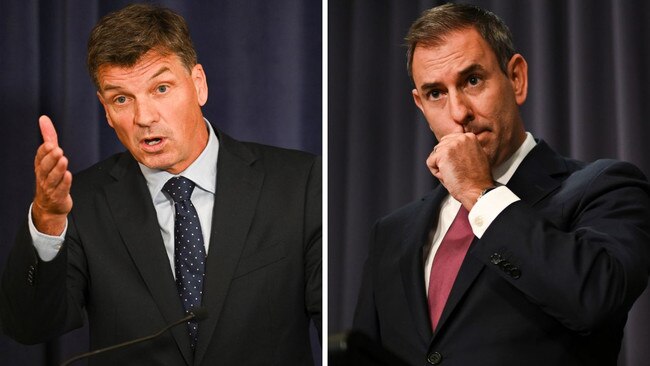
x: 203, y: 171
x: 506, y: 170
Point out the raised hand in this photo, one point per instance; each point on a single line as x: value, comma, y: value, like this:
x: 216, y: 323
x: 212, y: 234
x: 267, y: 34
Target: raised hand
x: 461, y: 165
x: 52, y: 201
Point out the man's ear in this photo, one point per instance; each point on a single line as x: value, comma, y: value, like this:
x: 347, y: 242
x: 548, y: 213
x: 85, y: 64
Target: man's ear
x: 518, y: 76
x: 200, y: 83
x: 417, y: 99
x: 103, y: 102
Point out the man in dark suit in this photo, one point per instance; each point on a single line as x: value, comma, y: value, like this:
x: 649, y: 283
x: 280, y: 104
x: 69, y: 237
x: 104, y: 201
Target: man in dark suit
x: 119, y: 254
x: 518, y: 256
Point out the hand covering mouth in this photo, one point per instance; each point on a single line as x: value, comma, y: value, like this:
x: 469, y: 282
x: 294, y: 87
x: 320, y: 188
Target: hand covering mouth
x: 478, y: 131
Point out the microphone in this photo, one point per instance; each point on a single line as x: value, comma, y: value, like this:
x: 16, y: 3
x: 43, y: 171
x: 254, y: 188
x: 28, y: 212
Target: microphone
x: 194, y: 314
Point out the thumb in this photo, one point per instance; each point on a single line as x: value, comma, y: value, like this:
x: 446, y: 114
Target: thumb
x: 47, y: 130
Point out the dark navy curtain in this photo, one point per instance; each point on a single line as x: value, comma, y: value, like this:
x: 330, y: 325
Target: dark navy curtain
x: 263, y: 63
x: 588, y: 98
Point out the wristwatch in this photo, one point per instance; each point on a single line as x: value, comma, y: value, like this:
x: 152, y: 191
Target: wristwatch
x: 485, y: 191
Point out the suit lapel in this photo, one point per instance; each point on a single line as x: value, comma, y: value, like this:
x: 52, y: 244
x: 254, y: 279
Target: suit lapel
x: 238, y: 189
x: 537, y: 176
x: 138, y: 225
x: 412, y: 263
x: 533, y: 180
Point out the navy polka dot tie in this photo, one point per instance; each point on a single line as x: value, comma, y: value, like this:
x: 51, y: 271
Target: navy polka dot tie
x: 189, y: 249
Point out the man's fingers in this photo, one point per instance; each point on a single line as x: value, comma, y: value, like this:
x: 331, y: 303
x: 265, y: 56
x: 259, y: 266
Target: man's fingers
x: 52, y: 201
x: 433, y: 161
x: 432, y: 164
x: 47, y: 130
x: 52, y: 177
x: 55, y: 175
x: 53, y: 189
x: 66, y: 182
x: 46, y: 160
x: 450, y: 136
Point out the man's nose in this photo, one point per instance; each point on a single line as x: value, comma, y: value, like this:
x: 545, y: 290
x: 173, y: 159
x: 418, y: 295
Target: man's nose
x: 459, y: 108
x: 145, y: 113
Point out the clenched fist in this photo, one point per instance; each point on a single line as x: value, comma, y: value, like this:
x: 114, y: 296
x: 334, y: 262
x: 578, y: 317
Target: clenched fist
x: 462, y: 166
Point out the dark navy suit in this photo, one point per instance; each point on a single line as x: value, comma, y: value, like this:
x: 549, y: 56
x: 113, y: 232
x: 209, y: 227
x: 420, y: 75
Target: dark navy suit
x: 549, y: 283
x: 263, y: 271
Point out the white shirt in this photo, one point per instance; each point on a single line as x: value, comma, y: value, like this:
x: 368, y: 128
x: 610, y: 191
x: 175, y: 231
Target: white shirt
x: 203, y: 172
x: 484, y: 211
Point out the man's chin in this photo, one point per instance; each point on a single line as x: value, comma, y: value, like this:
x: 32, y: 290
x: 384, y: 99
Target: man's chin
x: 154, y: 162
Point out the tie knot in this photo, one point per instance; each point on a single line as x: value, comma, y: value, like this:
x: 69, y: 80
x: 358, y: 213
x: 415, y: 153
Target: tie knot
x: 179, y: 188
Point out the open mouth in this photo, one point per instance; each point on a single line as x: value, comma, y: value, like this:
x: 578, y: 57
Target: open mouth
x: 153, y: 141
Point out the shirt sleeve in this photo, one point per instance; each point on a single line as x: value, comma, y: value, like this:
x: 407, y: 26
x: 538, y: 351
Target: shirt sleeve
x: 488, y: 207
x: 47, y: 246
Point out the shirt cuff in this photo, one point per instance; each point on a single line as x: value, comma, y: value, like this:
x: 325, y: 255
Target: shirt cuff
x: 488, y: 207
x: 47, y: 246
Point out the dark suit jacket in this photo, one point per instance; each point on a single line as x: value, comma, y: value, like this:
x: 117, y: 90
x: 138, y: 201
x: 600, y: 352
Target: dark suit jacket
x: 263, y: 271
x: 549, y: 283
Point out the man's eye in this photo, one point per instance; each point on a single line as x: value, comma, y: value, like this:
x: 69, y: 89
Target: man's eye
x: 434, y: 94
x: 473, y: 80
x: 120, y: 100
x: 162, y: 89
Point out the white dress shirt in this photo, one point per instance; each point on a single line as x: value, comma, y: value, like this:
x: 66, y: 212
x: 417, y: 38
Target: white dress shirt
x: 486, y: 209
x: 203, y: 172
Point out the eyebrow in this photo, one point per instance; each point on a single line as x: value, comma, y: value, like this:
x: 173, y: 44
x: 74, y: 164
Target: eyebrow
x: 469, y: 70
x: 161, y: 71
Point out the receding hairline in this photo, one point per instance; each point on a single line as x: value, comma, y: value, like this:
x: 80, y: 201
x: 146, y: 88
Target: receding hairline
x: 435, y: 23
x: 442, y: 39
x: 438, y: 39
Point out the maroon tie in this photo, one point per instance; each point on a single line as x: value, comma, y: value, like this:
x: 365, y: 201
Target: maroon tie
x: 446, y: 264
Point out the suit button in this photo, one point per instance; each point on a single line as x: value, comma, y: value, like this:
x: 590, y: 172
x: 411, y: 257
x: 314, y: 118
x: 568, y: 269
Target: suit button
x: 30, y: 275
x: 514, y: 272
x: 434, y: 358
x: 478, y: 221
x: 496, y: 258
